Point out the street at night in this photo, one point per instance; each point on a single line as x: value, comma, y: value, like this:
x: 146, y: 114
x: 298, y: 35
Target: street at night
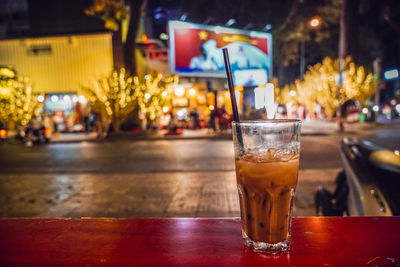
x: 199, y: 133
x: 188, y: 178
x: 172, y: 178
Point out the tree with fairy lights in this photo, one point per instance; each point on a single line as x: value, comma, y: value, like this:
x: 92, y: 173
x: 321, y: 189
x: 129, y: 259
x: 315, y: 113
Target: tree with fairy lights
x: 18, y: 103
x: 320, y: 85
x: 118, y: 95
x: 154, y: 94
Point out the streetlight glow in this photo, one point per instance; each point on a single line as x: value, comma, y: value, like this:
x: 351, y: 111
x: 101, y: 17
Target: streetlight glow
x: 315, y: 22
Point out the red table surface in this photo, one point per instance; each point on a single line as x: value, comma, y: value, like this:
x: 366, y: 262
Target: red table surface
x: 335, y: 241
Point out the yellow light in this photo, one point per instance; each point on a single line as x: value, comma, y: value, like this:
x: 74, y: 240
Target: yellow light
x: 145, y: 39
x: 165, y: 109
x: 4, y: 71
x: 147, y: 95
x: 164, y: 94
x: 203, y: 35
x: 179, y: 91
x: 211, y: 107
x: 315, y: 22
x: 292, y: 93
x: 192, y: 91
x: 40, y: 98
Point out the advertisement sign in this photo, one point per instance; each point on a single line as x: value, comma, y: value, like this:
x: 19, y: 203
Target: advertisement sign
x: 250, y: 77
x: 157, y: 59
x: 196, y: 50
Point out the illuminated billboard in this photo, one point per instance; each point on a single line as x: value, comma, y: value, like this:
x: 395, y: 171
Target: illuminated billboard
x: 196, y: 50
x: 250, y: 77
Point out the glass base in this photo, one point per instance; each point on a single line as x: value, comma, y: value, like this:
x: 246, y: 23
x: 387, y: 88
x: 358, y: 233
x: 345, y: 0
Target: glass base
x: 264, y: 247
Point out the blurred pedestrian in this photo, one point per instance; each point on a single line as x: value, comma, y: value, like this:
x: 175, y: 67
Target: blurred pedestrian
x: 212, y: 121
x: 219, y: 114
x: 102, y: 126
x: 47, y: 122
x: 172, y: 125
x: 54, y: 118
x: 194, y: 117
x: 35, y: 123
x: 86, y: 117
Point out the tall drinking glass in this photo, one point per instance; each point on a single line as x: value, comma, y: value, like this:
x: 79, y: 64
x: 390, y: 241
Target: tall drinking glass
x: 267, y: 163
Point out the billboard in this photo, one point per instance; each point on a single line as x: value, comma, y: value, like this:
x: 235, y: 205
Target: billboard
x: 196, y: 50
x: 250, y: 77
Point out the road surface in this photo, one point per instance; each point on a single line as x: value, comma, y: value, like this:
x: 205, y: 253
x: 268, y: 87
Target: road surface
x: 189, y: 178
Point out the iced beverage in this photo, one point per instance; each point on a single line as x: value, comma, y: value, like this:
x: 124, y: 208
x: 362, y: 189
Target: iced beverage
x: 266, y: 188
x: 267, y: 164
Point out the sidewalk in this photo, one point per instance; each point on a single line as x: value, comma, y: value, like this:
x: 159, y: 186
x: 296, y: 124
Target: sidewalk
x: 321, y: 127
x: 123, y: 195
x: 308, y: 128
x: 73, y: 137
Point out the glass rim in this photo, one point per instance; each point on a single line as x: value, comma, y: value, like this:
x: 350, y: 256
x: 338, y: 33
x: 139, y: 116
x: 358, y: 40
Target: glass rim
x: 273, y: 121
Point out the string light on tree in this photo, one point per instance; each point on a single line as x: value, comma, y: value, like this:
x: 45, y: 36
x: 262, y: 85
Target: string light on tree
x: 319, y: 86
x: 20, y: 103
x: 116, y: 96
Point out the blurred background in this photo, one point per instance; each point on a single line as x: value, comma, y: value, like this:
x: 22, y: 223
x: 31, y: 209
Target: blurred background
x: 121, y: 108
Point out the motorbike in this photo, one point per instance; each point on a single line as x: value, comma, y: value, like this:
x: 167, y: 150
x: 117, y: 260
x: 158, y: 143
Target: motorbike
x: 368, y: 185
x: 30, y: 136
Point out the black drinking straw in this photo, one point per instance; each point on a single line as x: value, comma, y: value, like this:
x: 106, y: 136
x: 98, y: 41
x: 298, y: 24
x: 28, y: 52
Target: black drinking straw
x: 233, y: 97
